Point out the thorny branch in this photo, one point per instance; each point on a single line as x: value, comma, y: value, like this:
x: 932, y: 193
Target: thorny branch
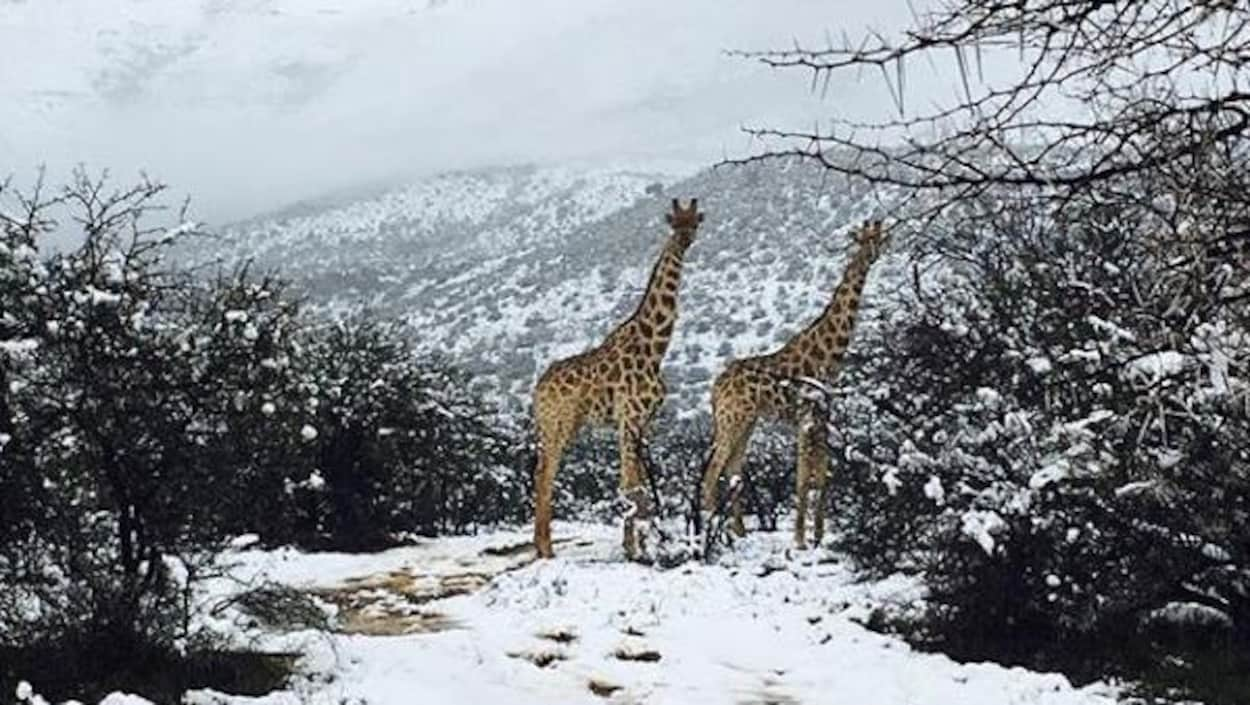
x: 1099, y: 82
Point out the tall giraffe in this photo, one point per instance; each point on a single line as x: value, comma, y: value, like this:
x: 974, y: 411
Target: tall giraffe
x: 618, y: 382
x: 772, y: 387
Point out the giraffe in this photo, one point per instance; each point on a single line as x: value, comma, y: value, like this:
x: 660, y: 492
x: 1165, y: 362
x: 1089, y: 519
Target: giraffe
x: 772, y: 386
x: 618, y: 383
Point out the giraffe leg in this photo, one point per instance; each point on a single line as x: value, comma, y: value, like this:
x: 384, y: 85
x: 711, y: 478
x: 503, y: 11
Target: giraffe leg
x: 729, y: 439
x: 729, y: 442
x: 800, y: 499
x: 736, y: 524
x: 630, y: 438
x: 820, y: 478
x: 555, y: 430
x: 736, y: 459
x: 813, y: 462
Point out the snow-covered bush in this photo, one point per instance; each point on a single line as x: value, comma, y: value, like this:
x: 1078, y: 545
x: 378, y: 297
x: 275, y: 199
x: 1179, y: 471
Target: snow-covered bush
x: 1054, y: 423
x: 390, y: 442
x: 117, y: 388
x: 148, y: 413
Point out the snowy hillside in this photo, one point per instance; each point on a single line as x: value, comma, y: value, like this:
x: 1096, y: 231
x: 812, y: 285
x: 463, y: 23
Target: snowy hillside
x: 506, y: 270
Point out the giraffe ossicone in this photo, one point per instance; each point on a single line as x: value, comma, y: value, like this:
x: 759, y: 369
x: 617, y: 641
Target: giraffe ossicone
x: 616, y: 383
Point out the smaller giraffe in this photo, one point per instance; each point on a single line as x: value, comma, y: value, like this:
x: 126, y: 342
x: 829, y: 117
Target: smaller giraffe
x: 618, y: 382
x: 772, y: 386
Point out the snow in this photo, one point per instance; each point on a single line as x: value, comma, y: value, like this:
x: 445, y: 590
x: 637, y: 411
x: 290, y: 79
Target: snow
x: 989, y: 397
x: 934, y: 491
x: 315, y: 481
x: 891, y: 481
x: 123, y: 699
x: 1190, y: 613
x: 1216, y: 553
x: 99, y: 297
x: 1135, y: 487
x: 1113, y: 330
x: 180, y: 230
x: 1081, y: 426
x: 1052, y: 472
x: 242, y: 541
x: 1155, y: 366
x: 980, y: 525
x: 765, y: 624
x: 18, y: 348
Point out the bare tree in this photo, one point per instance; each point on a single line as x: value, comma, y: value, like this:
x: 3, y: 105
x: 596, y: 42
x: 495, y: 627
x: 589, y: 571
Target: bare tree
x: 1105, y: 88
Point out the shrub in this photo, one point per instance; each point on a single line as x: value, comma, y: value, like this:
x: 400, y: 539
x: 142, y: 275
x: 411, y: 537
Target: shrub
x: 1053, y: 426
x: 396, y: 443
x: 114, y: 395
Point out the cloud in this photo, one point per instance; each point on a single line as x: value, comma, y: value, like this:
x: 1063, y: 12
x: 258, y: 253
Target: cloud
x: 250, y: 104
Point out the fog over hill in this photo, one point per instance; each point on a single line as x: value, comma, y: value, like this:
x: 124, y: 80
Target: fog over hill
x: 505, y: 270
x: 248, y: 104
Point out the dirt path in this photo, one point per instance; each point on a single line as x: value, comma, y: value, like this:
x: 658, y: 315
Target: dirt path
x: 396, y: 602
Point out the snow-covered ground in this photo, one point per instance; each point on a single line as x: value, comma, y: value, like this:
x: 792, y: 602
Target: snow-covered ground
x: 765, y: 625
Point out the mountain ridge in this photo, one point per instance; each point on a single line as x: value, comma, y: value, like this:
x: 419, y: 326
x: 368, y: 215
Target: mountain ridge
x: 506, y: 270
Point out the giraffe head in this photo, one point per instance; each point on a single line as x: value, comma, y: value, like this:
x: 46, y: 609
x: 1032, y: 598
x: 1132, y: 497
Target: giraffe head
x: 685, y: 221
x: 871, y: 238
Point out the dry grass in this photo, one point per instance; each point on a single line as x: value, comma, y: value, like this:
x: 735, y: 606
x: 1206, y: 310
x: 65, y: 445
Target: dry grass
x: 602, y: 688
x: 541, y: 658
x: 385, y: 624
x: 560, y: 636
x: 765, y: 698
x: 388, y: 604
x: 628, y: 653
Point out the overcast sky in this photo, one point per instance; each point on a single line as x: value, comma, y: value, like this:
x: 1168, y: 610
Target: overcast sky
x: 250, y: 104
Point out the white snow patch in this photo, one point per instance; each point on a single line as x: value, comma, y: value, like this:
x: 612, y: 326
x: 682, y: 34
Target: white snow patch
x: 694, y: 635
x: 315, y: 481
x: 1155, y: 366
x: 980, y: 525
x: 1135, y: 487
x: 180, y: 230
x: 19, y: 348
x: 116, y: 698
x: 1039, y: 365
x: 243, y: 541
x: 99, y: 297
x: 1048, y: 474
x: 1190, y: 613
x: 989, y: 397
x: 890, y: 479
x: 1115, y: 331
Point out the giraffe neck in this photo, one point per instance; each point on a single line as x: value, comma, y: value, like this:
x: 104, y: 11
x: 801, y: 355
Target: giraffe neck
x: 822, y: 344
x: 652, y: 324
